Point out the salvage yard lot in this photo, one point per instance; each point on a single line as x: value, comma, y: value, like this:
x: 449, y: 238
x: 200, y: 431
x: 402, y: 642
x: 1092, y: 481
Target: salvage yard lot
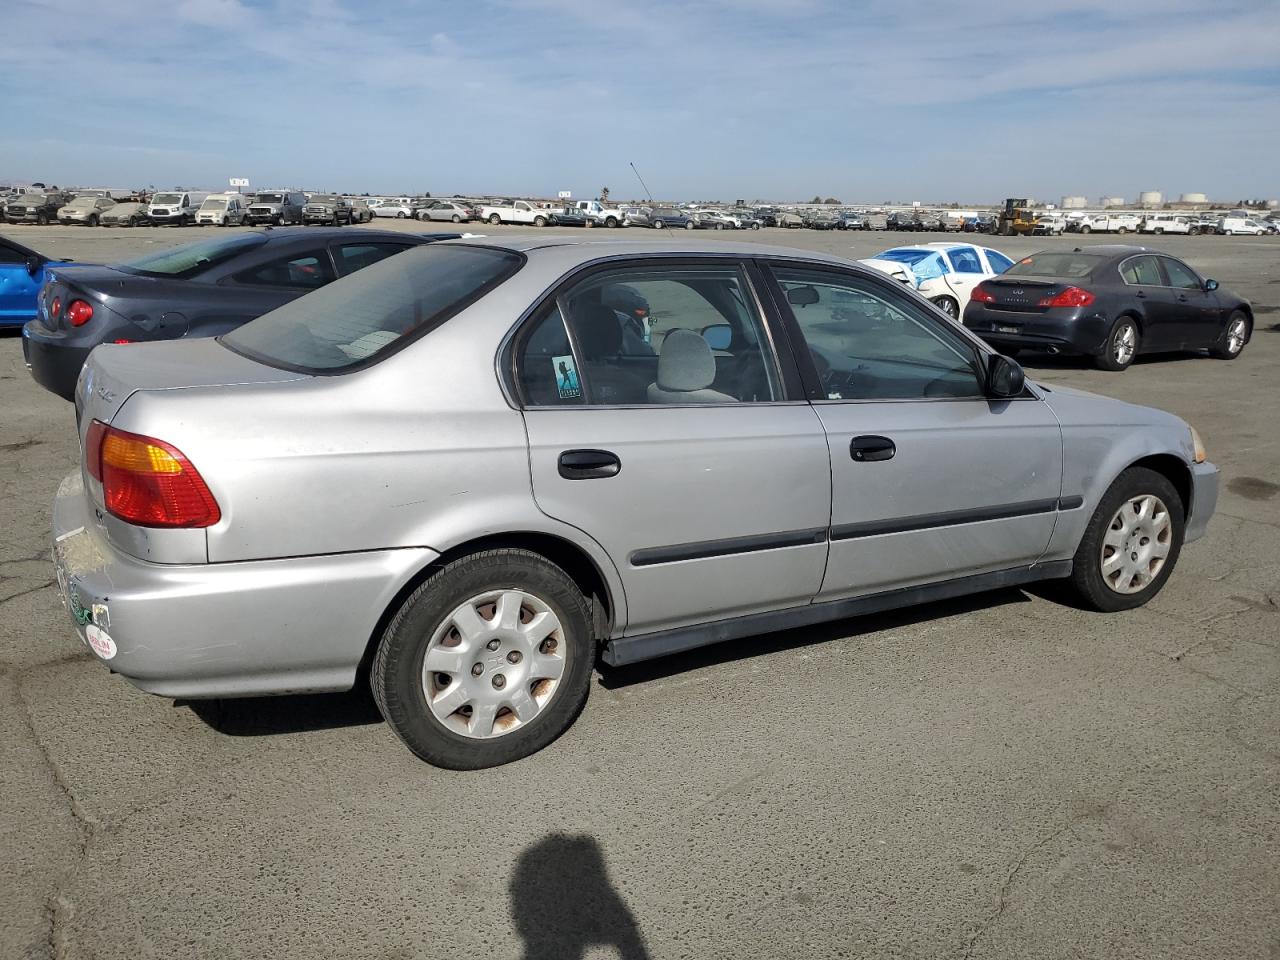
x: 995, y: 777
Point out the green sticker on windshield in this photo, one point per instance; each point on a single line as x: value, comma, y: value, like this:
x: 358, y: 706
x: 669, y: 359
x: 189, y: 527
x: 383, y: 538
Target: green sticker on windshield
x: 566, y: 378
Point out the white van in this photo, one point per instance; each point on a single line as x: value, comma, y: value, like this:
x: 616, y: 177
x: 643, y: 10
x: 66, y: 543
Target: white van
x: 223, y: 210
x: 1230, y: 226
x: 175, y: 206
x: 1171, y: 223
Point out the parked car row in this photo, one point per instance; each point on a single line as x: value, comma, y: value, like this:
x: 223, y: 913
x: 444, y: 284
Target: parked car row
x: 449, y: 474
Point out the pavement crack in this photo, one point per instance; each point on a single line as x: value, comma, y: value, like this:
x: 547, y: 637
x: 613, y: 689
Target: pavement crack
x: 22, y: 593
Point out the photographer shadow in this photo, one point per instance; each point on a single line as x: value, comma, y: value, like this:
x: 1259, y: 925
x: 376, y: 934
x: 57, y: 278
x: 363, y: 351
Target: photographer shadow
x: 564, y: 904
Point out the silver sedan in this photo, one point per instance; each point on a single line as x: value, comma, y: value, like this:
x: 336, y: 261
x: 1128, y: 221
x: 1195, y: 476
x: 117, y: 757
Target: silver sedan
x: 472, y: 469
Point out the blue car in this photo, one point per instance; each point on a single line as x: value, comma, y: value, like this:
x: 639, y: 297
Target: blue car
x: 22, y: 274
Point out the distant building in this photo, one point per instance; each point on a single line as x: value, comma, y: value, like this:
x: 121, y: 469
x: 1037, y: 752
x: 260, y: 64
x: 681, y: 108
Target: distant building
x: 1074, y: 203
x: 1193, y: 198
x: 1113, y: 201
x: 1150, y: 198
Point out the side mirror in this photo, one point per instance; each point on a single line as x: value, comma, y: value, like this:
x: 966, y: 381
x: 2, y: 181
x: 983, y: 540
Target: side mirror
x: 1005, y: 378
x: 33, y: 265
x: 802, y: 296
x: 718, y: 336
x: 1211, y: 285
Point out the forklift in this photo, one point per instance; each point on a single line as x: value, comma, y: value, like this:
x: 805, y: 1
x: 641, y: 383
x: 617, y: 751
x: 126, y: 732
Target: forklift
x: 1016, y: 218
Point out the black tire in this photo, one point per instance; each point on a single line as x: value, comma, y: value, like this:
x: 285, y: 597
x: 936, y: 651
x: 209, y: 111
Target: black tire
x: 1085, y: 228
x: 456, y: 218
x: 658, y: 224
x: 400, y: 215
x: 1087, y: 584
x: 948, y: 306
x: 690, y: 225
x: 611, y: 222
x: 495, y: 219
x: 42, y: 220
x: 1106, y: 360
x: 1122, y: 230
x: 396, y: 674
x: 1221, y: 350
x: 1158, y: 231
x: 539, y: 221
x: 755, y: 226
x: 1193, y: 232
x: 93, y: 219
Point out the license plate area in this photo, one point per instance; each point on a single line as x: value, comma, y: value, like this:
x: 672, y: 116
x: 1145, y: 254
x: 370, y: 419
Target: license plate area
x: 1005, y: 328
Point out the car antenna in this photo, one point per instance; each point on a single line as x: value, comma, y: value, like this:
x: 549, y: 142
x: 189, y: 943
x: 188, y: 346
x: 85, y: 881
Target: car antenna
x: 646, y: 192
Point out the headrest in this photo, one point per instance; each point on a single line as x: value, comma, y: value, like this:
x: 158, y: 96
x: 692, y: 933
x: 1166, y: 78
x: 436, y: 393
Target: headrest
x: 686, y: 362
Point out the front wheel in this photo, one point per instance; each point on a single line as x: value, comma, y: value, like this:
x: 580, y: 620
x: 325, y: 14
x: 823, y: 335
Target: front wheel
x: 1131, y: 544
x: 495, y: 219
x: 1121, y: 346
x: 611, y: 222
x: 658, y: 224
x: 1194, y: 232
x: 401, y: 215
x: 1122, y: 230
x: 488, y: 661
x: 1234, y: 337
x: 690, y: 225
x: 1086, y: 229
x: 93, y: 220
x: 539, y: 221
x: 456, y: 218
x: 41, y: 220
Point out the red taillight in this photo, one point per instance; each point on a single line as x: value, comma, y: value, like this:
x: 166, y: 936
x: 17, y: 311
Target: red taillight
x: 79, y: 312
x: 1070, y: 297
x: 93, y: 449
x: 981, y: 294
x: 122, y: 341
x: 146, y: 481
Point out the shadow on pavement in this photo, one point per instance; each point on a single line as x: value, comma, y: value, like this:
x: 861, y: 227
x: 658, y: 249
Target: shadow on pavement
x: 563, y: 902
x: 1039, y: 360
x: 270, y: 716
x: 730, y: 651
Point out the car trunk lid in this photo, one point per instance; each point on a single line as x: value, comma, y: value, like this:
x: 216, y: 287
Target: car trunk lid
x: 1022, y: 294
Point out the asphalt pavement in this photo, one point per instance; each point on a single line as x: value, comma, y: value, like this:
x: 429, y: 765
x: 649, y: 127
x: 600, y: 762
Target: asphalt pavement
x: 997, y: 777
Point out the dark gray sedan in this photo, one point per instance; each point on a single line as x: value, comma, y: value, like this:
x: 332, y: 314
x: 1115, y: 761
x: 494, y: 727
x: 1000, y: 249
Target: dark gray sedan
x: 200, y: 289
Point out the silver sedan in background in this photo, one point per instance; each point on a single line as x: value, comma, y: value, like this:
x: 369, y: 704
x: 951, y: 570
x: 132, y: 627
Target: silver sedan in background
x: 452, y: 211
x: 466, y: 473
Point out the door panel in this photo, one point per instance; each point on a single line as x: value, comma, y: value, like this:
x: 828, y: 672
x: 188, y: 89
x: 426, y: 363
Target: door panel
x: 1196, y: 316
x: 694, y: 484
x: 972, y: 487
x: 1146, y: 283
x: 18, y: 290
x: 931, y: 479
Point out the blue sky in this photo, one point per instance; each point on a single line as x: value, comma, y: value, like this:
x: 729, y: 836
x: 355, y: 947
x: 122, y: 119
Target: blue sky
x: 865, y: 100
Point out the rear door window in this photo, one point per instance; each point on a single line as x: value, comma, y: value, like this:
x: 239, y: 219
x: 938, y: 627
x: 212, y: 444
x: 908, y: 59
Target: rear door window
x: 966, y: 260
x: 306, y: 271
x: 356, y: 256
x: 1142, y: 272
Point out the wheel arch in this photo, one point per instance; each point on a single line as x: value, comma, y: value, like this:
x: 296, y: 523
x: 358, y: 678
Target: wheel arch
x: 1174, y: 469
x: 607, y: 605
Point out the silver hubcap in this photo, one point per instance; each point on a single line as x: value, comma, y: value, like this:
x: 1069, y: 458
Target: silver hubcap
x: 1235, y: 335
x: 494, y: 664
x: 1136, y: 544
x: 1125, y: 343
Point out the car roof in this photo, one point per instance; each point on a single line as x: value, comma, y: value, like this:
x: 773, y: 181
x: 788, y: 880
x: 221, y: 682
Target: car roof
x: 286, y: 234
x: 573, y: 249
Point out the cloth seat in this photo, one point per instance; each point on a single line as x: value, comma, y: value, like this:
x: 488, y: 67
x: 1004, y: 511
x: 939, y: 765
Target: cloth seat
x: 686, y: 370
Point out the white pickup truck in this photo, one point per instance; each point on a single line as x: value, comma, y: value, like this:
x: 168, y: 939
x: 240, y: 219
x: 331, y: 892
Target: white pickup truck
x: 518, y: 211
x: 1111, y: 223
x: 602, y: 215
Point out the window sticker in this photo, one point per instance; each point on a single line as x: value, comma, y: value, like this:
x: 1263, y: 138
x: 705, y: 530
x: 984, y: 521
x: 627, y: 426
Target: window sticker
x: 566, y: 378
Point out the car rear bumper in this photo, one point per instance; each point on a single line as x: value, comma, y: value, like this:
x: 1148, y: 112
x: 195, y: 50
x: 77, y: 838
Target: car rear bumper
x: 223, y: 629
x: 1204, y: 500
x: 1064, y: 331
x: 53, y: 364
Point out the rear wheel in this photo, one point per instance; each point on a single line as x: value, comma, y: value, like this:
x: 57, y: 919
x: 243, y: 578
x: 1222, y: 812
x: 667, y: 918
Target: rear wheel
x: 947, y: 305
x: 42, y: 220
x: 488, y: 661
x: 93, y: 219
x: 1086, y: 229
x: 658, y: 224
x: 1123, y: 230
x: 611, y: 222
x: 690, y: 225
x: 456, y: 218
x: 1194, y: 232
x: 539, y: 221
x: 1121, y: 346
x: 495, y: 219
x: 1131, y: 544
x: 1234, y: 337
x: 401, y: 215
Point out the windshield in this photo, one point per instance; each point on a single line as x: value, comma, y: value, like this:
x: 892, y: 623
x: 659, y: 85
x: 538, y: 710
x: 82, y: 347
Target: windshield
x: 365, y: 315
x: 212, y: 204
x: 82, y: 203
x: 167, y: 198
x: 188, y: 260
x: 125, y: 208
x: 269, y: 198
x: 323, y: 198
x: 1054, y: 265
x: 905, y: 255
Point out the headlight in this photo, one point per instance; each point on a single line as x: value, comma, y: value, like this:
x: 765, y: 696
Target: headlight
x: 1198, y: 444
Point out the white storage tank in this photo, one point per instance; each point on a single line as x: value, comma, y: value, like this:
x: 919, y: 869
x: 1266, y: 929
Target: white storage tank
x: 1194, y: 198
x: 1113, y: 201
x: 1151, y: 198
x: 1074, y: 203
x: 1272, y: 204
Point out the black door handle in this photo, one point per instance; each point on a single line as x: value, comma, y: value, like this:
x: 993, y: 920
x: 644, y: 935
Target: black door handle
x: 1141, y: 295
x: 1182, y: 298
x: 588, y: 464
x: 871, y: 448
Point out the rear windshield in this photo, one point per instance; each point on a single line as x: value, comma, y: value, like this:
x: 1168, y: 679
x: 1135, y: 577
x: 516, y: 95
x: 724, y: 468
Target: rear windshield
x: 193, y: 258
x: 1054, y: 265
x: 363, y: 316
